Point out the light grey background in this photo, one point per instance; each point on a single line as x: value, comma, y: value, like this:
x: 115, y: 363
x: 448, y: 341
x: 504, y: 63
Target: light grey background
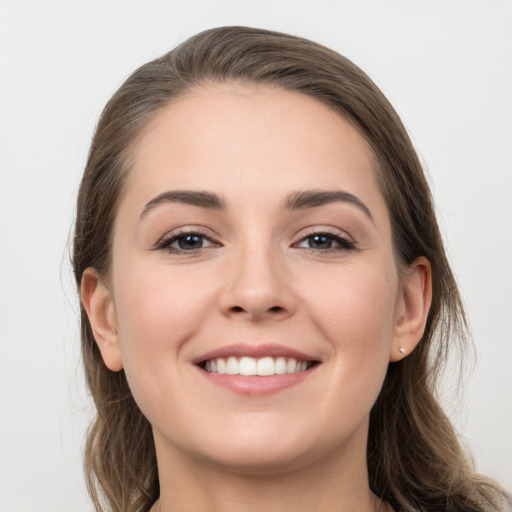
x: 445, y: 65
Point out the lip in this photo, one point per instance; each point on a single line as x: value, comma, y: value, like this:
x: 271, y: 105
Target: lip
x: 255, y: 385
x: 256, y: 351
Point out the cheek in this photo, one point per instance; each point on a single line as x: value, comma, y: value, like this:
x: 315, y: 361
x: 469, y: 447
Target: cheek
x: 355, y: 313
x: 355, y: 306
x: 158, y: 309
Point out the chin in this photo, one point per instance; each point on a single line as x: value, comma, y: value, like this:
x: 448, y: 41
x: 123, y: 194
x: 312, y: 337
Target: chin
x: 266, y: 461
x: 265, y: 450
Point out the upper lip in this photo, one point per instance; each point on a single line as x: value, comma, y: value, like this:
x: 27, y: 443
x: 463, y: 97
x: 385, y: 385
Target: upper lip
x: 255, y: 351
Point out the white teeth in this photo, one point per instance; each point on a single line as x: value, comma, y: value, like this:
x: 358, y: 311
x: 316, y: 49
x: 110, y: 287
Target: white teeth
x: 291, y: 365
x: 266, y: 366
x: 247, y: 366
x: 232, y: 366
x: 280, y: 366
x: 263, y: 366
x: 221, y: 366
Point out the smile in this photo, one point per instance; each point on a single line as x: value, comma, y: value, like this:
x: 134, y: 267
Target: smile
x: 251, y: 366
x: 256, y: 370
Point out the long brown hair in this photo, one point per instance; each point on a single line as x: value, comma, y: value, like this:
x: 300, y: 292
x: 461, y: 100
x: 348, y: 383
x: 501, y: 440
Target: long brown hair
x: 415, y: 461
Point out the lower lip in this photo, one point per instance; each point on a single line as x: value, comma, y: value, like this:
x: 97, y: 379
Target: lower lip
x: 256, y: 385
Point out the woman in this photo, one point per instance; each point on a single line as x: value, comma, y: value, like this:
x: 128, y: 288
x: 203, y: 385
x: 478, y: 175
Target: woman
x: 266, y: 298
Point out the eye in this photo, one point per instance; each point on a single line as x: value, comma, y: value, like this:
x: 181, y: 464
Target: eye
x: 185, y: 242
x: 325, y: 242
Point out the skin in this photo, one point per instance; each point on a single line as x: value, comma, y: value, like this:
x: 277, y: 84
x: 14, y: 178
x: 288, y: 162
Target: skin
x: 258, y: 278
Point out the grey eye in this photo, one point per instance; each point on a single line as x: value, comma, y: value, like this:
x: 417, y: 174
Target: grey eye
x: 185, y: 242
x: 325, y: 241
x: 190, y: 242
x: 319, y: 242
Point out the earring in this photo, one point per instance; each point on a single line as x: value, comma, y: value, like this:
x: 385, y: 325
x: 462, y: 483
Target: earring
x: 401, y: 350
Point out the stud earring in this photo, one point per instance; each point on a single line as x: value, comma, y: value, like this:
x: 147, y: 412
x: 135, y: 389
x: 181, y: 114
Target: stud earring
x: 401, y: 350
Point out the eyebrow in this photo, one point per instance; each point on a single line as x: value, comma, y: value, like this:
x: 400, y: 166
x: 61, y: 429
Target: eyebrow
x: 314, y: 198
x: 195, y: 198
x: 295, y: 201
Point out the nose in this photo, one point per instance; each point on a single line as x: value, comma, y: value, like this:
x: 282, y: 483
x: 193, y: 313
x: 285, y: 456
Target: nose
x: 257, y: 286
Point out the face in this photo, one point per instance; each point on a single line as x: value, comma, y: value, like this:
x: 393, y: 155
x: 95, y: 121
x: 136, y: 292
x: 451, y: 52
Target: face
x: 253, y: 296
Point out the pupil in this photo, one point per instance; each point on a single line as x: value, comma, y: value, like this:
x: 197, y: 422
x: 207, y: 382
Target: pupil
x: 320, y: 242
x: 190, y: 242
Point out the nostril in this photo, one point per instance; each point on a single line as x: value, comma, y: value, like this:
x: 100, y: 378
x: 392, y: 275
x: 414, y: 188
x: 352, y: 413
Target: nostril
x: 273, y: 309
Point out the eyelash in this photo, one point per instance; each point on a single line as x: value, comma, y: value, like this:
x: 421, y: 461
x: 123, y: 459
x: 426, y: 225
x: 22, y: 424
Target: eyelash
x: 344, y: 243
x: 166, y: 243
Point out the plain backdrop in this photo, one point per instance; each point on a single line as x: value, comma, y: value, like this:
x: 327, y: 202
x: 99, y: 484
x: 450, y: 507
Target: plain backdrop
x: 446, y: 65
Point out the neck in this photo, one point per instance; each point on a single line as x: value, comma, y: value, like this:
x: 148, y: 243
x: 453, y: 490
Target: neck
x: 338, y: 482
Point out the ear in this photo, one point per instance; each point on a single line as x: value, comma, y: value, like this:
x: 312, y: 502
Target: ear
x: 98, y: 303
x: 412, y: 308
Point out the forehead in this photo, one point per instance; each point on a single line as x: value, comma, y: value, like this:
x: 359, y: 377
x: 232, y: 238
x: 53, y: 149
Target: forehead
x: 244, y: 140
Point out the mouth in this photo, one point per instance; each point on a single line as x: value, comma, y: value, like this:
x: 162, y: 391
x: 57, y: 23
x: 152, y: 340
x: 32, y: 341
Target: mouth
x: 252, y: 366
x: 256, y: 369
